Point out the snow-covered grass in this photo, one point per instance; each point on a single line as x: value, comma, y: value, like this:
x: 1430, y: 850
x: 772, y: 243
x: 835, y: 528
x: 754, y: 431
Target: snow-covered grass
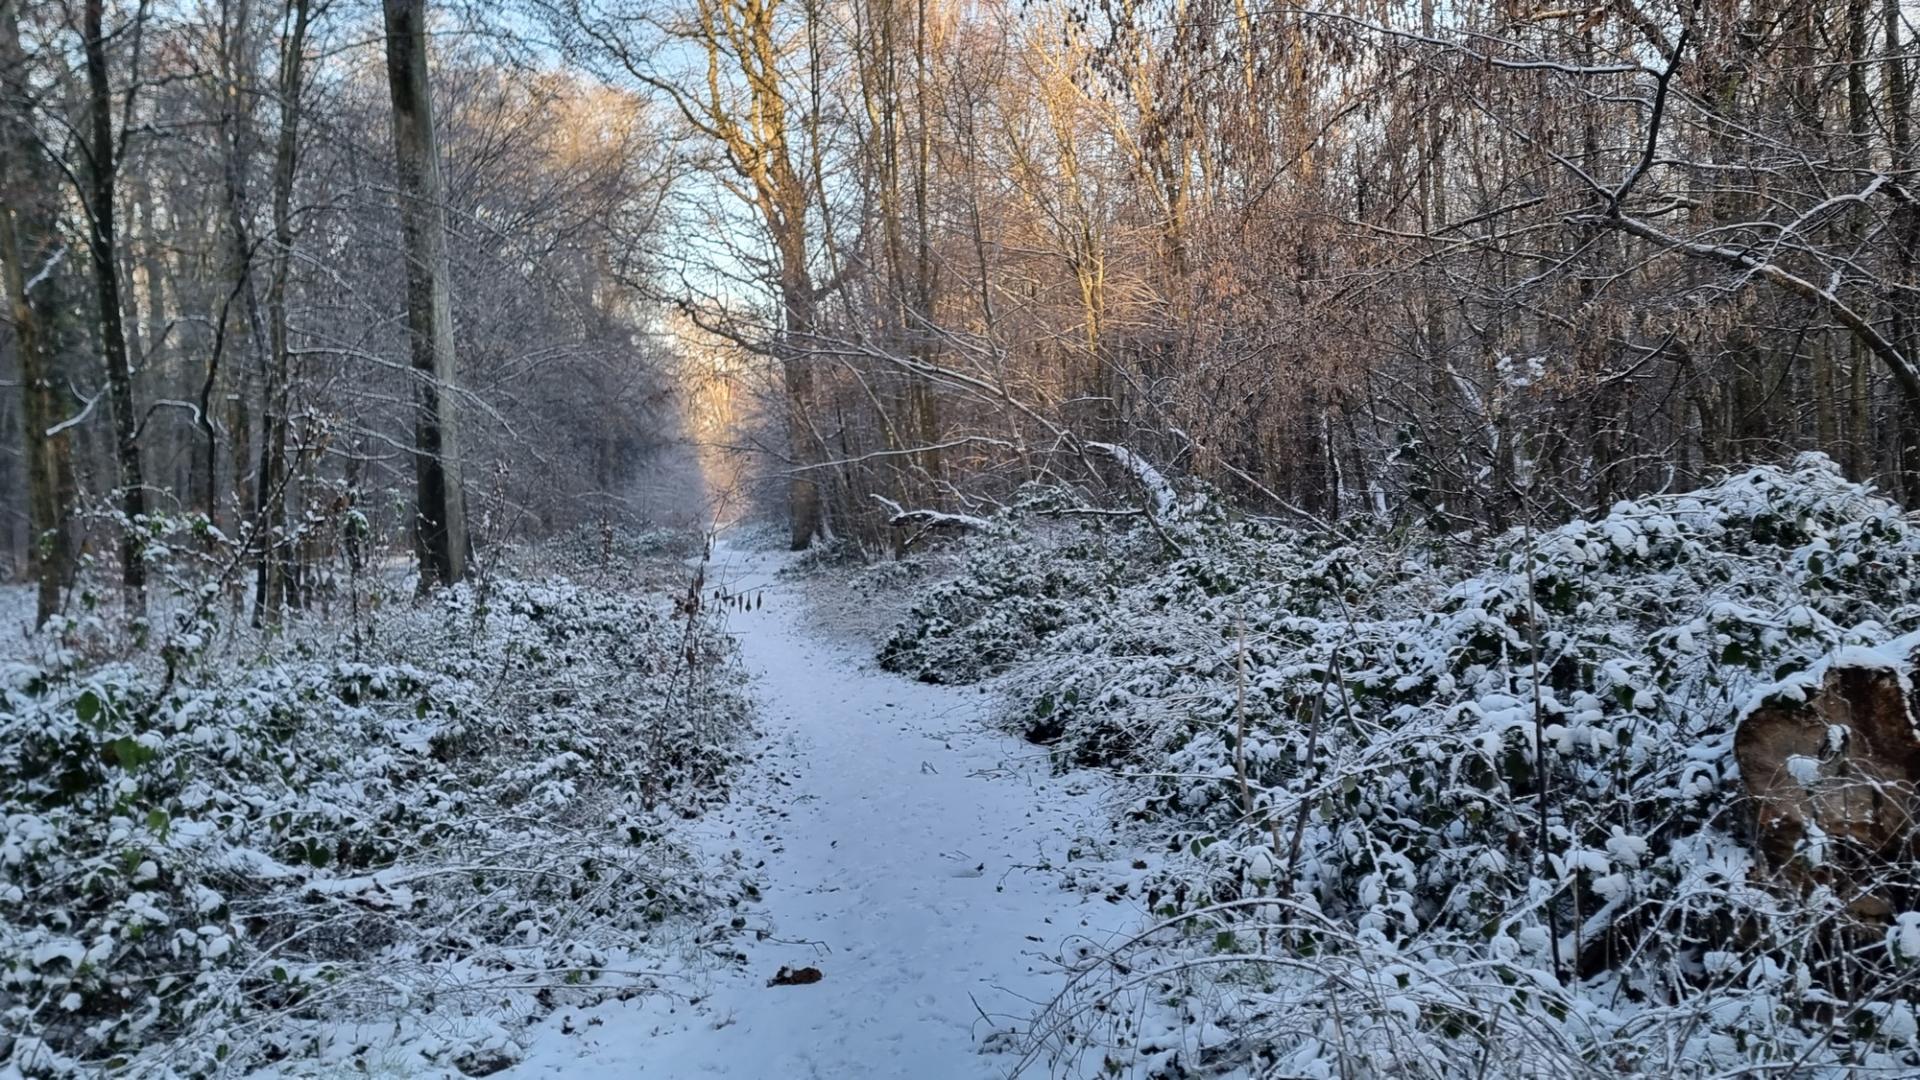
x: 1436, y: 807
x: 386, y: 838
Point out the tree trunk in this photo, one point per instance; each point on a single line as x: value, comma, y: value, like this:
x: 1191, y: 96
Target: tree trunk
x: 103, y: 165
x: 25, y: 199
x: 1906, y: 235
x: 275, y: 570
x: 440, y: 523
x: 926, y: 408
x: 285, y: 164
x: 803, y: 491
x: 47, y: 546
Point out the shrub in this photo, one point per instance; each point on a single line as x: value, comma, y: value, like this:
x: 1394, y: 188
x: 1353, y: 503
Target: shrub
x: 1470, y: 805
x: 473, y: 811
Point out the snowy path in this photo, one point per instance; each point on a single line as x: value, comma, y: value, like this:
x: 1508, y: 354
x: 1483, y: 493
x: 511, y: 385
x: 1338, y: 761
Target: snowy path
x: 903, y: 844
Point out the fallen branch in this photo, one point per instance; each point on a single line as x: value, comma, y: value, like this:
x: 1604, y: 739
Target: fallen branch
x: 900, y: 517
x: 1151, y: 479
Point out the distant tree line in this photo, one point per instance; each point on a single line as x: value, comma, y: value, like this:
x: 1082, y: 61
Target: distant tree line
x: 295, y: 276
x: 1465, y: 265
x: 1454, y: 263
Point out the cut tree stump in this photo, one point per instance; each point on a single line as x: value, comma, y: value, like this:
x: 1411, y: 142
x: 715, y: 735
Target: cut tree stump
x: 1832, y: 782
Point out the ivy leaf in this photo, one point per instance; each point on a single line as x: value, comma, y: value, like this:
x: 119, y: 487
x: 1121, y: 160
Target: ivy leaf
x: 130, y: 752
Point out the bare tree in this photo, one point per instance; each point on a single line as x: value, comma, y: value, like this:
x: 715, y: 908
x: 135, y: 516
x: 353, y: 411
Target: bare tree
x: 440, y: 513
x: 101, y: 180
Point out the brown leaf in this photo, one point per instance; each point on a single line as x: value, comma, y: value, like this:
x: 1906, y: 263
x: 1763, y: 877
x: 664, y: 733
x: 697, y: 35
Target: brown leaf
x: 795, y: 976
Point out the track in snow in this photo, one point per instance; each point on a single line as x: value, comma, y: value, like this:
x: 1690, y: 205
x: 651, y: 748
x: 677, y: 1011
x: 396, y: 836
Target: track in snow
x: 905, y: 848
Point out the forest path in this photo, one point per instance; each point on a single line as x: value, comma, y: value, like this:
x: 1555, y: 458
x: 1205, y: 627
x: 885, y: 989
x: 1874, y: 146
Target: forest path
x: 906, y: 848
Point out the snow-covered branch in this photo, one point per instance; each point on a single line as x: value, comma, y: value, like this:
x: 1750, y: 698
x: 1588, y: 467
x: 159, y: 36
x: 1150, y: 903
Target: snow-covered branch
x: 899, y: 517
x: 1150, y: 479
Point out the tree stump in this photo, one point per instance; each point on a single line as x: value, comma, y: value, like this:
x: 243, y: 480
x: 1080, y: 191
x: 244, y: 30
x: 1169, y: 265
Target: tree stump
x: 1832, y: 783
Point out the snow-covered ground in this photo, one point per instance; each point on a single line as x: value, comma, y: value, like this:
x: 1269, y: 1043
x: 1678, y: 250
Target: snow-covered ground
x: 16, y: 616
x: 910, y: 853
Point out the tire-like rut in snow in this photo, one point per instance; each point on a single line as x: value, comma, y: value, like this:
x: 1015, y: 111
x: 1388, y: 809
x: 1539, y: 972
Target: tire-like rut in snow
x: 906, y: 850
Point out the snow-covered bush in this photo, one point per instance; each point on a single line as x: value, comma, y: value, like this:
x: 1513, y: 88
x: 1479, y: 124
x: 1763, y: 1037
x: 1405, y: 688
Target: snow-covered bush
x: 1014, y: 592
x: 606, y: 547
x: 1463, y: 810
x: 456, y: 809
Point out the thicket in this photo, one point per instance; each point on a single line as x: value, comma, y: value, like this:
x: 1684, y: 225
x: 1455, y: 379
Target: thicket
x: 236, y: 846
x: 1446, y: 806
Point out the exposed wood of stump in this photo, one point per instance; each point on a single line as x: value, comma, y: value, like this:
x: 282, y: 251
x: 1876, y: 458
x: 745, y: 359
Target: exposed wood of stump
x: 1832, y: 781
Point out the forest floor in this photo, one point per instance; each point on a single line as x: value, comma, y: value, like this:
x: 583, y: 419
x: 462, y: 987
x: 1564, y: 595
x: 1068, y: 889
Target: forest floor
x: 906, y: 851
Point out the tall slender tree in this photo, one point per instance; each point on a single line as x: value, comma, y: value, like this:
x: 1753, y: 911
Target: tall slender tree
x: 28, y: 250
x: 440, y: 519
x: 101, y: 182
x: 271, y: 582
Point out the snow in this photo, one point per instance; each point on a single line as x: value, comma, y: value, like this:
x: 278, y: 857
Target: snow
x: 1904, y: 937
x: 16, y: 616
x: 1657, y: 626
x: 932, y: 519
x: 907, y: 851
x: 1305, y: 741
x: 1151, y: 479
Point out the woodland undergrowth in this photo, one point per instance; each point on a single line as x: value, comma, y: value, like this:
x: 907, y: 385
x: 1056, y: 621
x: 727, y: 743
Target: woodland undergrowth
x: 1443, y: 806
x: 386, y: 820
